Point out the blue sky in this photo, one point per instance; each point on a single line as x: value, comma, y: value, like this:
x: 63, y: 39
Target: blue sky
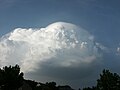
x: 100, y: 18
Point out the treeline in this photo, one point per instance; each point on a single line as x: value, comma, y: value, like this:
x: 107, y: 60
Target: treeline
x: 12, y: 79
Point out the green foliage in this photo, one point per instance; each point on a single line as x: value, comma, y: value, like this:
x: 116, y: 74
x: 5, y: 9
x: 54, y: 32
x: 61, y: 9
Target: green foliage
x: 10, y: 78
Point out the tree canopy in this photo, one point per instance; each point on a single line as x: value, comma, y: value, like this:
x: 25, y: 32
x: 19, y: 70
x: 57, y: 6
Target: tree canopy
x: 10, y: 77
x: 108, y: 81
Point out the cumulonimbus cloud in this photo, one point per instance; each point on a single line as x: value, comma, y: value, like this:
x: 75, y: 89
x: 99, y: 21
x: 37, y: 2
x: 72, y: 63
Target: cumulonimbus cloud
x: 62, y: 44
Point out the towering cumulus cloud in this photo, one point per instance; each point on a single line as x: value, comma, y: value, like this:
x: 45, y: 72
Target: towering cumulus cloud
x: 60, y: 44
x: 60, y: 51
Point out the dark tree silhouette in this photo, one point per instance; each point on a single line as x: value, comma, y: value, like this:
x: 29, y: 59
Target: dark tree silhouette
x: 88, y: 88
x: 11, y: 78
x: 108, y: 81
x: 51, y: 85
x: 32, y: 84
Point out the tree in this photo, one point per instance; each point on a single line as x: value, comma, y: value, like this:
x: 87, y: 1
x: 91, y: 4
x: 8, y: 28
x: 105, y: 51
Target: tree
x: 51, y: 85
x: 108, y: 81
x: 11, y: 78
x: 88, y: 88
x: 32, y: 84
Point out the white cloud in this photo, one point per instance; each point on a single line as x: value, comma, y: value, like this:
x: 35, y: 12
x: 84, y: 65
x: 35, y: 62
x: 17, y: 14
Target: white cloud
x: 61, y: 51
x: 68, y: 44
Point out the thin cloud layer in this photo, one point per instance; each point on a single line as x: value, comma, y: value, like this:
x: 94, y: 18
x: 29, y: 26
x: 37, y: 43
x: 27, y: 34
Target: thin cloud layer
x: 58, y: 48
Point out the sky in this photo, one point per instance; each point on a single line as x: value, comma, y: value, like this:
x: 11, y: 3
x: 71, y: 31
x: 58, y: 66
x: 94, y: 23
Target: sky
x: 73, y: 51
